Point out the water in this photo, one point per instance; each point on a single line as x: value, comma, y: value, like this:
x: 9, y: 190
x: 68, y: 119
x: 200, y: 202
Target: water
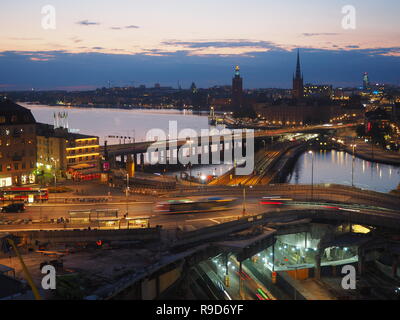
x: 117, y: 122
x: 129, y: 123
x: 336, y: 166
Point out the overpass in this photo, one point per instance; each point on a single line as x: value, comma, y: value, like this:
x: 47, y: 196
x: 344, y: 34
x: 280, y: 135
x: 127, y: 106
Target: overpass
x: 196, y: 246
x: 332, y: 193
x: 168, y: 148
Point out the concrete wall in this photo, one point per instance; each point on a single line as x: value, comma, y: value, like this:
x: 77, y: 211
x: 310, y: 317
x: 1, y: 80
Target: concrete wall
x: 68, y: 236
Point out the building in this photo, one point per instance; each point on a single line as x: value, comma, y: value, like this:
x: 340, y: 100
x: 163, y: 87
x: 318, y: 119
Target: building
x: 298, y: 82
x: 67, y: 154
x: 237, y: 89
x: 17, y: 145
x: 318, y: 91
x: 282, y: 113
x: 366, y: 85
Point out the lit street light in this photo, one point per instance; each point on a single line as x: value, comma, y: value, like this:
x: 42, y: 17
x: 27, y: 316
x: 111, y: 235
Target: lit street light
x: 126, y: 193
x: 55, y: 171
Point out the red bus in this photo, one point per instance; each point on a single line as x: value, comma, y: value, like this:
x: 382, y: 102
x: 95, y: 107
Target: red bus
x: 24, y: 194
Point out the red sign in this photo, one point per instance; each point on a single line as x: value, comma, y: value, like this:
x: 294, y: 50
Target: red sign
x: 106, y: 166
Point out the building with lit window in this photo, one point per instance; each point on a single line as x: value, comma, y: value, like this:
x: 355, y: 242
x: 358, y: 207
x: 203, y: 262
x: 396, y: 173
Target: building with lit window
x: 317, y: 91
x: 284, y: 113
x: 17, y: 145
x: 66, y: 154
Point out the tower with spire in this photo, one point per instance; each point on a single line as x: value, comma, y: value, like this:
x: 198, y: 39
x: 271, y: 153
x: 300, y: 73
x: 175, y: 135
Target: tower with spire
x: 237, y: 89
x: 298, y: 82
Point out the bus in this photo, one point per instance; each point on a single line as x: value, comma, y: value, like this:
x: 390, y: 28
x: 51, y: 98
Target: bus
x: 194, y: 206
x: 24, y: 194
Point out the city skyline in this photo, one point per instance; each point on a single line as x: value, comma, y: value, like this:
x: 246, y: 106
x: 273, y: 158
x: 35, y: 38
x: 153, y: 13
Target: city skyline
x: 122, y: 42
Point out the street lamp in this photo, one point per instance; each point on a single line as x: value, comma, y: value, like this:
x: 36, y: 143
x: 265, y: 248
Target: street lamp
x: 352, y: 165
x: 126, y: 192
x: 312, y: 174
x: 55, y: 171
x: 190, y: 164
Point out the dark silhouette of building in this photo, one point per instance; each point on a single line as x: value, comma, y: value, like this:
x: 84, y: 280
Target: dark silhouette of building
x: 298, y: 82
x: 237, y: 89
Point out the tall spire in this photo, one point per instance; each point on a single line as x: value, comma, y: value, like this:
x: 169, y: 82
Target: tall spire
x: 298, y: 85
x: 298, y: 69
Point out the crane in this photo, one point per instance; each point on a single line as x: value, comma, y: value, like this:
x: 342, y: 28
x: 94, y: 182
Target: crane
x: 28, y: 276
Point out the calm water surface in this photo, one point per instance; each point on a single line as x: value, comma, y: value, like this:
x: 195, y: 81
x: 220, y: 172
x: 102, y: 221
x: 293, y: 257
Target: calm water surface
x: 117, y: 122
x: 336, y: 167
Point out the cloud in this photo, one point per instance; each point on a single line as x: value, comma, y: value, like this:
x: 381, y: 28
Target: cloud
x: 87, y: 23
x: 320, y: 34
x: 263, y: 69
x: 230, y: 43
x: 75, y: 39
x: 25, y: 39
x: 132, y: 27
x: 126, y: 27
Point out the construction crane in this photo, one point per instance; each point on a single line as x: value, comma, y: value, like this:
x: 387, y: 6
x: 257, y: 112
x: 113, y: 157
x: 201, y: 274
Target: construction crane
x: 28, y: 276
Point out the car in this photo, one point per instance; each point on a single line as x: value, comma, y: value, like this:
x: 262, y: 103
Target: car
x: 14, y: 207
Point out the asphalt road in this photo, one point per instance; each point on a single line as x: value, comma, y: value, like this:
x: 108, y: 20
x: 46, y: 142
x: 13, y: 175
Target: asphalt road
x: 364, y: 202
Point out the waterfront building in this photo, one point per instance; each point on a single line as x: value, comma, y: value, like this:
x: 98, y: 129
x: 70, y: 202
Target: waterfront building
x: 68, y: 154
x: 17, y: 145
x: 285, y: 113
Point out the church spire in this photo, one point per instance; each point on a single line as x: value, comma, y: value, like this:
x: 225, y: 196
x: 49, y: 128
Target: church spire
x: 298, y: 85
x: 298, y: 68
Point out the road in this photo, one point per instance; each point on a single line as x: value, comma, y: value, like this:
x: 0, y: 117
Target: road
x: 186, y: 222
x: 340, y: 199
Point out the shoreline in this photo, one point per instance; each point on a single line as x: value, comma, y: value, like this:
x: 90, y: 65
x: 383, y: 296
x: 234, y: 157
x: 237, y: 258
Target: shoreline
x: 110, y: 107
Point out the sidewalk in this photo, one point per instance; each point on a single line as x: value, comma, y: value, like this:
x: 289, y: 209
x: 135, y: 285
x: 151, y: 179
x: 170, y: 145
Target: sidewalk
x: 370, y: 152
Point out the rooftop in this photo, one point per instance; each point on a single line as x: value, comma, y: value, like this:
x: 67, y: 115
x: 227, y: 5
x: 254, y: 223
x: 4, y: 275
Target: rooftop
x: 47, y: 130
x: 12, y: 113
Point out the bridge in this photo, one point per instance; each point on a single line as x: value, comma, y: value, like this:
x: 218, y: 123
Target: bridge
x: 168, y: 149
